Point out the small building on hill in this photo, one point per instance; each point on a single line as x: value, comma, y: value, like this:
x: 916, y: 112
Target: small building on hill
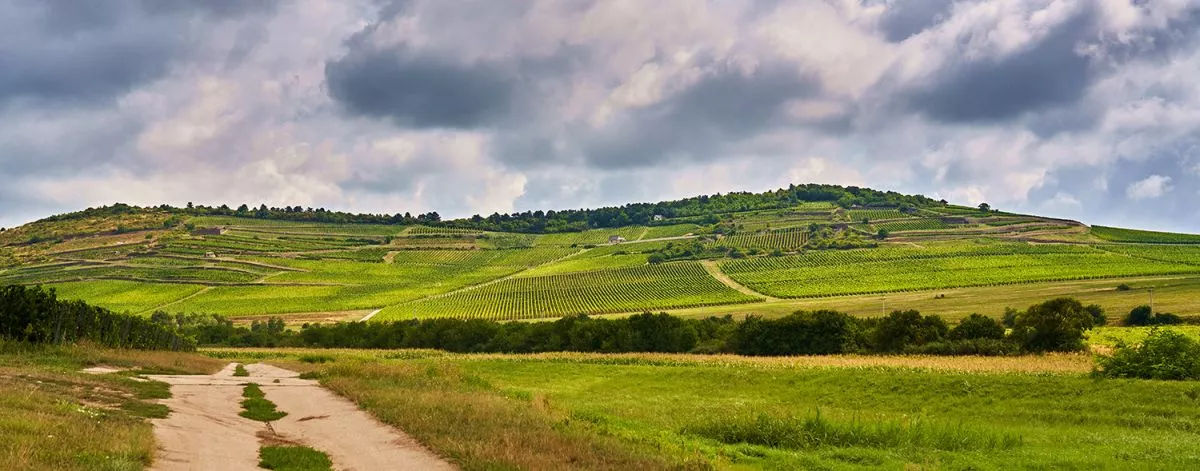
x: 210, y: 255
x: 615, y: 239
x: 203, y: 231
x: 659, y: 217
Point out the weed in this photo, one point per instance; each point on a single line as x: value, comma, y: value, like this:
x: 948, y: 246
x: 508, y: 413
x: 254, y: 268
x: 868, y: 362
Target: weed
x: 293, y: 458
x: 240, y: 370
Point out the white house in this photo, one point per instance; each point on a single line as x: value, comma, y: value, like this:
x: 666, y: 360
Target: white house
x: 615, y: 239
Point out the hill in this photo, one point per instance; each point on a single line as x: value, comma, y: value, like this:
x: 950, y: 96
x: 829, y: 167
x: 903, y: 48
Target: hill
x: 770, y: 253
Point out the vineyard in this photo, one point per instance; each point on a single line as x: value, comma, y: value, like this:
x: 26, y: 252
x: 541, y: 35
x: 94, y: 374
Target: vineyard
x: 904, y: 269
x: 913, y: 225
x: 786, y: 240
x: 666, y: 286
x: 246, y: 266
x: 1129, y: 235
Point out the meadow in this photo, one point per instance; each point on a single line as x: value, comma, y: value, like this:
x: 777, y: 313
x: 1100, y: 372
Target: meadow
x: 594, y: 411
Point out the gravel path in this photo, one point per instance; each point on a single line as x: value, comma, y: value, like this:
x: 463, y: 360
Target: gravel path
x: 204, y: 430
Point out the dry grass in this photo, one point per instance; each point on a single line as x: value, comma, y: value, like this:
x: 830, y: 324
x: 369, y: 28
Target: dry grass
x: 1061, y: 363
x: 474, y: 426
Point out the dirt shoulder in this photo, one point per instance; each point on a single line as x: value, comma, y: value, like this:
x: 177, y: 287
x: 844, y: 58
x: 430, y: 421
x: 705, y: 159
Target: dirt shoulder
x: 204, y: 430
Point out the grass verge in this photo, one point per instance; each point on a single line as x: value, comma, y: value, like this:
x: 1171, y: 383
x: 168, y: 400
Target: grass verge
x: 240, y: 370
x: 257, y: 407
x: 293, y: 458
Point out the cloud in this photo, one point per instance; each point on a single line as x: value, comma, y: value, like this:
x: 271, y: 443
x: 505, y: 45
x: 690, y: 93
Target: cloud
x: 476, y: 106
x: 1154, y: 186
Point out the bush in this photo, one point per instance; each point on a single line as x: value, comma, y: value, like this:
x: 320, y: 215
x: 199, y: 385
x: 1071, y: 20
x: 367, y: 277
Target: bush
x: 901, y: 329
x: 1123, y: 287
x: 803, y: 333
x: 977, y: 326
x: 1164, y: 354
x: 1142, y: 315
x: 1056, y: 325
x: 979, y: 346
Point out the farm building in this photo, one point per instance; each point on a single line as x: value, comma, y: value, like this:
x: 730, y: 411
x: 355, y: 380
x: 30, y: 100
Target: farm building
x: 210, y: 255
x: 658, y: 217
x: 616, y: 239
x: 203, y: 231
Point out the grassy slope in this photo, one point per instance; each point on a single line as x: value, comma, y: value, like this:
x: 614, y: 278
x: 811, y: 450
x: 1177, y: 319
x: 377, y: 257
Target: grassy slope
x: 53, y: 417
x: 612, y: 411
x: 351, y: 263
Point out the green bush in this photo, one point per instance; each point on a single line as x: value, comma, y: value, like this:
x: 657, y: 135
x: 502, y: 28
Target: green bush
x: 1143, y: 315
x: 1056, y: 325
x: 977, y: 326
x: 901, y: 329
x: 1164, y: 354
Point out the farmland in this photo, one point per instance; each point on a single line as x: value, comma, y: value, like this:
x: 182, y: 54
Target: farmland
x: 670, y: 411
x: 768, y: 259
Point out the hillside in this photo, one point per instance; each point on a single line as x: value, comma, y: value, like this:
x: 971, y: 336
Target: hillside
x: 853, y: 249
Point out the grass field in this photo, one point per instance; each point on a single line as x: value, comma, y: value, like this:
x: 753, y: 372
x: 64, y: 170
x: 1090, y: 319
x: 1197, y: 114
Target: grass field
x: 260, y: 267
x: 590, y: 411
x: 1132, y: 235
x: 905, y: 268
x: 664, y: 286
x: 1171, y: 294
x: 53, y: 417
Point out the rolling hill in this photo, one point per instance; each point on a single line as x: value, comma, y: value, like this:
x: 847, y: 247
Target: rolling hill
x: 809, y: 246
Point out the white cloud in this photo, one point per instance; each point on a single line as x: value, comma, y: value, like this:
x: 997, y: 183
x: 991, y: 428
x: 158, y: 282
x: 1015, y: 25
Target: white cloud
x: 1153, y: 186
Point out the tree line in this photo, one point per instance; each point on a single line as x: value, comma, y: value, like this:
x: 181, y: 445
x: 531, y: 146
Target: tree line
x: 1055, y: 325
x: 699, y: 209
x: 36, y: 315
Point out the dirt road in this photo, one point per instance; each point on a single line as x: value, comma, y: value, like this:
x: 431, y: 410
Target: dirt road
x: 204, y: 430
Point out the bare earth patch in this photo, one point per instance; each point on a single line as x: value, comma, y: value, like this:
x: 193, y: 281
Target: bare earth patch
x: 204, y: 430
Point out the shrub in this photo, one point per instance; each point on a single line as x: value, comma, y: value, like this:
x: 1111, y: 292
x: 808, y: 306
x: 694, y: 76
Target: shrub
x: 1056, y: 325
x: 901, y: 329
x: 802, y: 333
x: 1123, y: 287
x: 1140, y: 315
x: 1097, y: 312
x: 979, y: 346
x: 977, y: 326
x: 1164, y: 354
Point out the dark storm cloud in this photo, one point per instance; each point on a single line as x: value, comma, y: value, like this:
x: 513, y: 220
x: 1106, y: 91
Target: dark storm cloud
x: 906, y: 18
x: 722, y: 108
x: 420, y: 91
x: 1050, y: 72
x: 70, y: 52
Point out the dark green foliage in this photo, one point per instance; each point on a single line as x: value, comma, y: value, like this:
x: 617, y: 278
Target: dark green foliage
x: 1164, y: 354
x: 36, y: 315
x: 1143, y: 315
x: 1097, y: 313
x: 803, y: 333
x: 1053, y: 326
x: 293, y: 458
x: 981, y: 346
x: 977, y: 326
x: 1123, y: 287
x: 903, y: 328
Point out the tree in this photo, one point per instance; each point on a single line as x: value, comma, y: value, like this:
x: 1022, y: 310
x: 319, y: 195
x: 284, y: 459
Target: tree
x: 984, y: 207
x: 1141, y: 315
x: 977, y: 326
x: 1056, y: 325
x: 900, y: 329
x: 883, y: 234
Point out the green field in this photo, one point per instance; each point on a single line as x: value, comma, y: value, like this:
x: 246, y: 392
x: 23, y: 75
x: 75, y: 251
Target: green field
x: 905, y: 268
x: 773, y: 250
x: 666, y: 286
x: 1131, y: 235
x: 645, y: 411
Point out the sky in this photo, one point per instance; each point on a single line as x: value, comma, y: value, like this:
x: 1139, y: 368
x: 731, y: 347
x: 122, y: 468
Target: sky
x: 1082, y: 109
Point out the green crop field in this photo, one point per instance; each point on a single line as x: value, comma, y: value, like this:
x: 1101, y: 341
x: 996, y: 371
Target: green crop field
x: 1130, y: 235
x: 783, y: 239
x: 617, y: 290
x: 125, y: 296
x: 259, y: 266
x: 904, y: 268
